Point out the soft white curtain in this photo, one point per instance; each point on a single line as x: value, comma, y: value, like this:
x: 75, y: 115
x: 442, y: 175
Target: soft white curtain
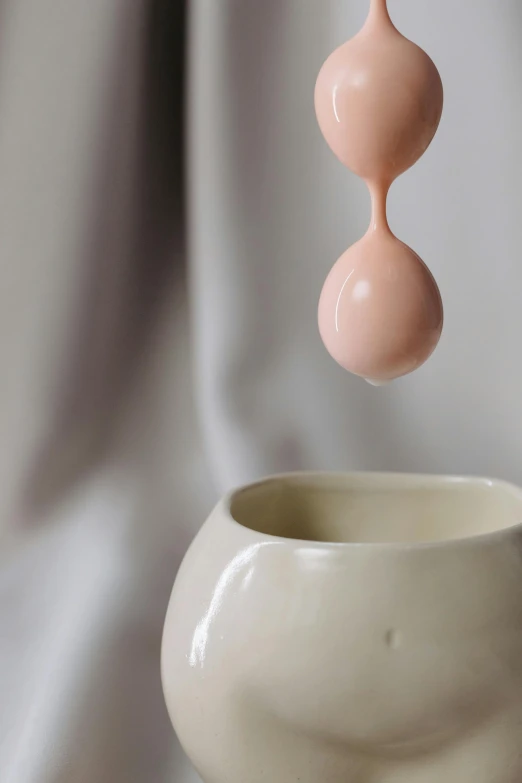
x: 118, y: 424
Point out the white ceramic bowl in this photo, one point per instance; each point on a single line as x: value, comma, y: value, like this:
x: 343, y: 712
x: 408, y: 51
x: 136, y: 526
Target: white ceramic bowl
x: 355, y: 628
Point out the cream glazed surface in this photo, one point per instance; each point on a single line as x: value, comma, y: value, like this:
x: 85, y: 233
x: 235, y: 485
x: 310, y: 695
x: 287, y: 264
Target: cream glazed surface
x: 351, y: 629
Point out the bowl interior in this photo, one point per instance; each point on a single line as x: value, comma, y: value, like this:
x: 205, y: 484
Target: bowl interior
x: 373, y: 508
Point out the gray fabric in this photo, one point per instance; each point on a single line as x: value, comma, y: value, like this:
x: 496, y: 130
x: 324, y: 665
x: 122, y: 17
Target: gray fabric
x: 120, y: 424
x: 96, y: 504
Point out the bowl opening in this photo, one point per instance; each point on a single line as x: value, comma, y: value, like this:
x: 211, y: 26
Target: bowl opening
x: 376, y: 508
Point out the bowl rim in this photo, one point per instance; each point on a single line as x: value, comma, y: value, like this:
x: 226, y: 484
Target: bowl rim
x: 383, y: 479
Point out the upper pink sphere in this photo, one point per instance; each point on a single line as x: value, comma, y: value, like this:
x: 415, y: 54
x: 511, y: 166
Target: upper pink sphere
x: 378, y: 100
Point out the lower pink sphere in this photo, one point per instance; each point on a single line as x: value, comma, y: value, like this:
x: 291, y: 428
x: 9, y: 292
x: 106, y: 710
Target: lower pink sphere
x: 380, y: 311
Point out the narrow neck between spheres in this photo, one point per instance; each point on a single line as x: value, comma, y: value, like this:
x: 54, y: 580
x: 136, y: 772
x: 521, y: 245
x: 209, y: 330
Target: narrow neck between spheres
x: 379, y: 196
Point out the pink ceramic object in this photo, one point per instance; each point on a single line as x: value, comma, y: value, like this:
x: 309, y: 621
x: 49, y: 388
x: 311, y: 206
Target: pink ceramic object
x: 379, y: 101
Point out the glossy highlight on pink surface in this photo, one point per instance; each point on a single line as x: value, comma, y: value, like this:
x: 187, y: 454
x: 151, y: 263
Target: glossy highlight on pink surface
x: 379, y: 101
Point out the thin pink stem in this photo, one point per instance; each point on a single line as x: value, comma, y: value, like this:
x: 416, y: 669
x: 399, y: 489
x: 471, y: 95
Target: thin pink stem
x: 379, y: 11
x: 379, y: 195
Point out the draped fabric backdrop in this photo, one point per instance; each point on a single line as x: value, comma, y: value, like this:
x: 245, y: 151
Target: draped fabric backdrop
x: 146, y: 368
